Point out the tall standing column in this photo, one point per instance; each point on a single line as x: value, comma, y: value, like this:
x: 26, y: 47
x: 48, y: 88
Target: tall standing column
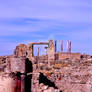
x: 67, y: 45
x: 51, y: 52
x: 38, y: 57
x: 45, y: 50
x: 30, y: 50
x: 55, y: 46
x: 61, y: 45
x: 38, y: 51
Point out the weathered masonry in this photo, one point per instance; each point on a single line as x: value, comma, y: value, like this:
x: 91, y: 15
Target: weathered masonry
x: 27, y: 50
x: 51, y: 49
x: 25, y: 70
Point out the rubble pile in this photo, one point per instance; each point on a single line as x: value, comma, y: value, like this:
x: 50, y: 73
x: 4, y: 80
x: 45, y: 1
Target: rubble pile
x: 75, y: 77
x: 46, y: 88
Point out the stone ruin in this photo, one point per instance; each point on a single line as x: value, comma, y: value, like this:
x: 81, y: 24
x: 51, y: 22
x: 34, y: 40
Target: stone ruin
x: 52, y: 72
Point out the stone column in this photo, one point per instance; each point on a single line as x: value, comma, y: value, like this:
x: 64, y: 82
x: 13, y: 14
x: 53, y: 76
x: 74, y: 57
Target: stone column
x: 22, y: 83
x: 70, y: 46
x: 46, y: 50
x: 67, y: 46
x: 55, y: 46
x: 61, y: 45
x: 51, y: 52
x: 38, y: 57
x: 30, y: 50
x: 38, y: 51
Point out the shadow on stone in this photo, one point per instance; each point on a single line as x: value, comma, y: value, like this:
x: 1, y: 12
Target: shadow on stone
x: 43, y: 79
x: 28, y: 78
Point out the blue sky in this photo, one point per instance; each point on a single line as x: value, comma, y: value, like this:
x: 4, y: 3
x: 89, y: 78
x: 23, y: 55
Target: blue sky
x: 23, y: 21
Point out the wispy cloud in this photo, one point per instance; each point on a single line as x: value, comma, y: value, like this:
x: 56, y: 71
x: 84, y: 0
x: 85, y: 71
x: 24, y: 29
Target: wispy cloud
x: 65, y: 10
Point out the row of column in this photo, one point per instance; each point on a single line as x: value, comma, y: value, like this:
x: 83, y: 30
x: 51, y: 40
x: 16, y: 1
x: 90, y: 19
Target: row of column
x: 68, y: 46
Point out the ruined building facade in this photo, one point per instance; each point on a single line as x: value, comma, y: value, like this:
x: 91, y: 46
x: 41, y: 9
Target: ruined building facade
x: 25, y: 72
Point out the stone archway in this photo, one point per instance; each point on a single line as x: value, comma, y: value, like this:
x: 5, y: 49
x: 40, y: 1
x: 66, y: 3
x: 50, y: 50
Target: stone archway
x: 51, y: 49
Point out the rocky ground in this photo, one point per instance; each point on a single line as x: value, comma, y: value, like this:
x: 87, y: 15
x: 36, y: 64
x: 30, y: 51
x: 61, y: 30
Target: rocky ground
x: 68, y: 75
x: 6, y: 83
x: 72, y: 75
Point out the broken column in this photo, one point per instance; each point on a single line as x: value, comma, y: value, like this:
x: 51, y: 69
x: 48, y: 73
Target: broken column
x: 61, y: 45
x: 68, y: 46
x: 55, y: 46
x: 51, y: 52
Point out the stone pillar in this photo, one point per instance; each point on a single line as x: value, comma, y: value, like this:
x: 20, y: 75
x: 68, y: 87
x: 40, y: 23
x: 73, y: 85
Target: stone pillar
x: 61, y: 45
x: 38, y: 51
x: 30, y: 50
x: 46, y: 50
x: 55, y: 46
x: 22, y: 83
x: 67, y: 46
x: 51, y: 52
x: 70, y: 46
x: 38, y: 57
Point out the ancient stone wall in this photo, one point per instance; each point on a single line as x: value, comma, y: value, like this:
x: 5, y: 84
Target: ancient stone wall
x: 17, y: 64
x: 20, y: 51
x: 64, y: 55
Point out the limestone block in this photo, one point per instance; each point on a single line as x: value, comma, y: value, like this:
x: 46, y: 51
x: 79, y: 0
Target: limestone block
x: 18, y: 65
